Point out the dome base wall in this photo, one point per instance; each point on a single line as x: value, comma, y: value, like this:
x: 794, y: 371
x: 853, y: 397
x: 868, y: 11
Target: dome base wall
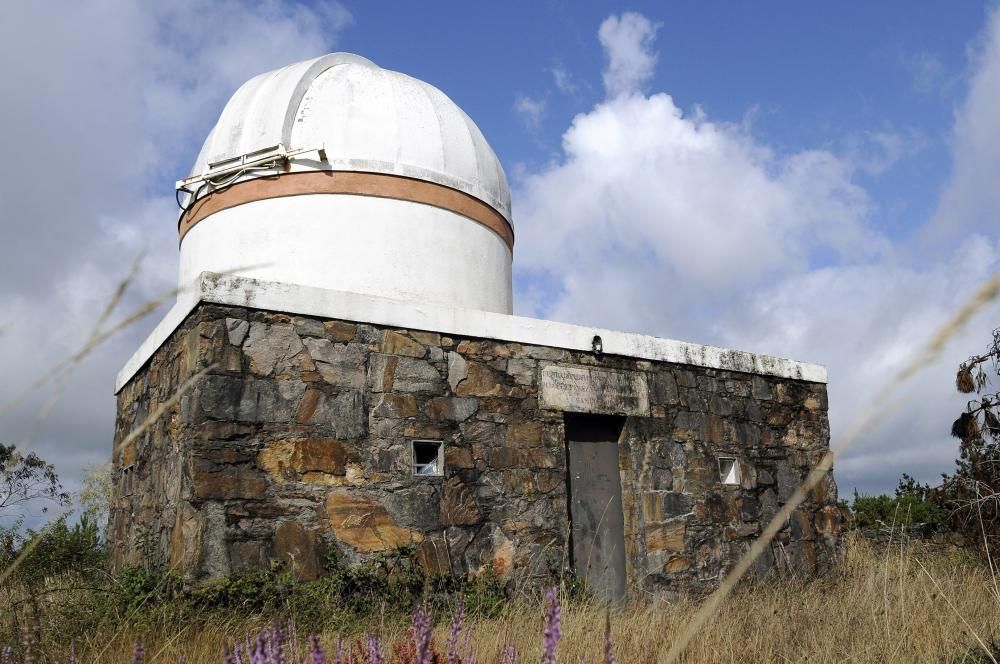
x: 384, y: 247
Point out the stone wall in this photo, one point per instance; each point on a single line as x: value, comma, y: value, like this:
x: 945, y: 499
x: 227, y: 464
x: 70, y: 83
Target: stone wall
x: 298, y: 438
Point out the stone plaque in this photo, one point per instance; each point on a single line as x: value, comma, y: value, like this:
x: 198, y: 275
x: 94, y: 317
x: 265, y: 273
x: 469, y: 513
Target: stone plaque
x: 587, y: 390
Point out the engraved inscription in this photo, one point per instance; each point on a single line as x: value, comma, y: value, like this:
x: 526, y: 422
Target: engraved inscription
x: 587, y: 390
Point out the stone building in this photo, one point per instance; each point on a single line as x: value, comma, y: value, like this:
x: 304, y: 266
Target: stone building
x: 342, y: 369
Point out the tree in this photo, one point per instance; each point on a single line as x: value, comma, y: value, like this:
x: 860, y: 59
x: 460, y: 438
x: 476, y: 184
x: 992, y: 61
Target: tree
x: 25, y: 479
x: 972, y: 494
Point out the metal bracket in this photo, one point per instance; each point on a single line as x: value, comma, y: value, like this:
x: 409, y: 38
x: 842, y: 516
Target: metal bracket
x: 263, y: 158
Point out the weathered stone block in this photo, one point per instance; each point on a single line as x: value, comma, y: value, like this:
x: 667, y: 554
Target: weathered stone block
x: 663, y: 389
x: 382, y: 372
x: 457, y: 370
x: 340, y: 331
x: 414, y: 375
x: 480, y: 381
x: 665, y: 537
x: 528, y: 457
x: 395, y: 405
x: 433, y: 556
x: 342, y: 365
x: 525, y: 434
x: 394, y: 343
x: 458, y: 504
x: 458, y: 457
x: 271, y: 348
x: 225, y: 482
x: 297, y: 547
x: 455, y: 409
x: 344, y: 414
x: 364, y: 524
x: 308, y: 459
x: 661, y: 506
x: 237, y: 330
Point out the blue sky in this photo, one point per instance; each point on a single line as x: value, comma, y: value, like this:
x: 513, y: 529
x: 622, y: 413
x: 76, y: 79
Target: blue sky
x: 805, y: 180
x: 808, y: 75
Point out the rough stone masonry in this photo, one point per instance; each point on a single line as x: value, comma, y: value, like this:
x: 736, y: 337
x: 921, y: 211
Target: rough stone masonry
x: 300, y: 437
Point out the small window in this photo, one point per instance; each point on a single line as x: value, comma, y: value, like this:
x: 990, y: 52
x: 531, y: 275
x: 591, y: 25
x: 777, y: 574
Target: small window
x: 428, y: 457
x: 729, y: 471
x: 127, y: 480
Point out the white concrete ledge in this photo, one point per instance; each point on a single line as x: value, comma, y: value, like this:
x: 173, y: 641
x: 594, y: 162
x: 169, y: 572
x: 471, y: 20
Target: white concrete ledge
x: 309, y: 301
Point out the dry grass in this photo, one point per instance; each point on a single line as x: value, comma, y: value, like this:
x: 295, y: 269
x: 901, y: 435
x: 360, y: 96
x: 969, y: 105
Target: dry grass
x: 902, y: 603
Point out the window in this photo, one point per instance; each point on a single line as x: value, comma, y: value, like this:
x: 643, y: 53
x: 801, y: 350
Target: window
x: 428, y: 457
x: 729, y: 471
x: 127, y: 485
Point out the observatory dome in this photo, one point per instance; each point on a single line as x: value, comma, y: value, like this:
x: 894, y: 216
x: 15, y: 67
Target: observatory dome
x: 339, y: 174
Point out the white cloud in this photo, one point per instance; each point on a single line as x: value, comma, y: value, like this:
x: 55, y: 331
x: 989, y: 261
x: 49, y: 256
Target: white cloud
x: 627, y: 42
x: 971, y: 199
x: 103, y: 119
x: 685, y: 196
x: 531, y: 111
x: 672, y: 224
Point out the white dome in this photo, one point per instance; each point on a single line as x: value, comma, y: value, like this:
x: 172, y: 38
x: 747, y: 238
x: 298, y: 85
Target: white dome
x: 380, y: 184
x: 368, y: 119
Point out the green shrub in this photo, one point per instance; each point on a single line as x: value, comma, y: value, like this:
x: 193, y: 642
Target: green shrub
x: 60, y: 548
x: 911, y: 507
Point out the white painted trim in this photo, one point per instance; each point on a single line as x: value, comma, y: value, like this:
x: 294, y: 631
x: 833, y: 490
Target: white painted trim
x: 239, y: 291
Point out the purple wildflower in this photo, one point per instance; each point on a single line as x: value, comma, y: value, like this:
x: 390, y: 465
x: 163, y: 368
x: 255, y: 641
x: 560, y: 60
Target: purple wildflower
x: 509, y: 655
x: 259, y: 654
x: 73, y: 659
x: 6, y: 655
x: 420, y: 628
x: 374, y: 651
x: 226, y: 657
x: 316, y: 653
x: 140, y: 654
x: 609, y: 655
x: 456, y: 628
x: 278, y: 650
x: 553, y: 628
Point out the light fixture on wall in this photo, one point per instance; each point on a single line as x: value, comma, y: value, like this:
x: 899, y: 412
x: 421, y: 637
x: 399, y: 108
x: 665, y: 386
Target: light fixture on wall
x: 597, y: 345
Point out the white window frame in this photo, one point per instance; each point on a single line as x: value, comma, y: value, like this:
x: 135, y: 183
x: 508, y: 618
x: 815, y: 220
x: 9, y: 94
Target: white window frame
x: 415, y: 467
x: 737, y: 477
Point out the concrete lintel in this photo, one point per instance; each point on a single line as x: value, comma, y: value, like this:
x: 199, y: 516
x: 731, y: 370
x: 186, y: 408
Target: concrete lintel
x: 309, y: 301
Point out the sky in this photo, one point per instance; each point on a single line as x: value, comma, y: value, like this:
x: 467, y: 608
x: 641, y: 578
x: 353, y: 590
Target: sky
x: 809, y: 181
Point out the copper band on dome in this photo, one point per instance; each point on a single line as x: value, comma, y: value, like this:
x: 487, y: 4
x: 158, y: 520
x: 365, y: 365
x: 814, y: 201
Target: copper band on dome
x: 379, y: 185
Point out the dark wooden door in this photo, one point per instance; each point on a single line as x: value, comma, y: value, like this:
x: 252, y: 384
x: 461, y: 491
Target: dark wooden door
x: 598, y: 523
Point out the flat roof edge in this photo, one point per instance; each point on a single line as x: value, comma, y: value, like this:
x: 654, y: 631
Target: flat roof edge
x: 310, y: 301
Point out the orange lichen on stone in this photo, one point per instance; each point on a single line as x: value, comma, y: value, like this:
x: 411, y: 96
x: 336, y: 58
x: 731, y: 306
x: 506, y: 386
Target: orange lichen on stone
x: 665, y: 537
x: 307, y: 460
x: 365, y: 525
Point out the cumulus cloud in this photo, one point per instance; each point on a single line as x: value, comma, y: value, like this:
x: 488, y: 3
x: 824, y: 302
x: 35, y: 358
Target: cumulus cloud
x: 675, y: 224
x: 103, y: 120
x: 641, y: 185
x: 627, y: 41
